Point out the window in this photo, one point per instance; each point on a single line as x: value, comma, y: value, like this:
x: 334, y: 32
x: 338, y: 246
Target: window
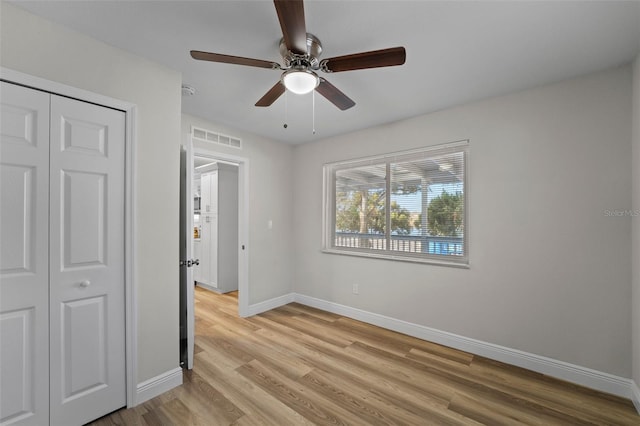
x: 405, y: 206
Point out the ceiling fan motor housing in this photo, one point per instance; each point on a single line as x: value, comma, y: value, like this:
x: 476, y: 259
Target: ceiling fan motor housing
x: 309, y: 60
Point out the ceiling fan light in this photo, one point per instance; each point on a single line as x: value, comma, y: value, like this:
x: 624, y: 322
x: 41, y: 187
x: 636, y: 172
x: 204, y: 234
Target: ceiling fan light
x: 300, y: 82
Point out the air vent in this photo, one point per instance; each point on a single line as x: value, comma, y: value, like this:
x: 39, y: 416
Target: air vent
x: 217, y: 138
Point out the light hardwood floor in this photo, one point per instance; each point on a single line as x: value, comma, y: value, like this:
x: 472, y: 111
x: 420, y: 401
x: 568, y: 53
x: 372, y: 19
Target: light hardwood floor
x: 297, y: 365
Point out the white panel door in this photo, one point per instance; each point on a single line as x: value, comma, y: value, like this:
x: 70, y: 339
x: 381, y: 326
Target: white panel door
x: 87, y: 289
x: 24, y: 263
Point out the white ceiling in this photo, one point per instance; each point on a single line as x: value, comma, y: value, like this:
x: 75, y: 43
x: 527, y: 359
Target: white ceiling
x: 457, y: 52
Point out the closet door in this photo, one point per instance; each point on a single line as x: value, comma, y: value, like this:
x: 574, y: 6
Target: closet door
x: 24, y: 262
x: 86, y: 261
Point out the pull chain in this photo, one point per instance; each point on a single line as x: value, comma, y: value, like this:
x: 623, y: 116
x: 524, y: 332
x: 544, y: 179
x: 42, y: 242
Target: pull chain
x: 285, y: 110
x: 313, y: 102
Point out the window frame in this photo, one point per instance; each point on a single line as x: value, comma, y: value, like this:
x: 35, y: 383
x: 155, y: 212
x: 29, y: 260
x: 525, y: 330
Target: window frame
x: 329, y: 207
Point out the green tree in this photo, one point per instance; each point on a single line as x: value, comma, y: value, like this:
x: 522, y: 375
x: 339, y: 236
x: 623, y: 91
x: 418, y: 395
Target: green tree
x: 364, y: 212
x: 400, y: 219
x: 372, y: 213
x: 360, y: 211
x: 347, y: 211
x: 445, y: 215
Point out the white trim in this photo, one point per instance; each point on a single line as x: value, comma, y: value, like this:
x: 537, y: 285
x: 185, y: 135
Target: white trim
x: 42, y: 84
x: 208, y: 287
x: 158, y: 385
x: 598, y: 380
x: 267, y: 305
x: 244, y: 246
x: 130, y: 110
x: 635, y: 396
x: 398, y: 258
x: 131, y: 245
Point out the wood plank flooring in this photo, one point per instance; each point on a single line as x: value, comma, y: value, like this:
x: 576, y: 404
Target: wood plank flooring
x: 297, y: 365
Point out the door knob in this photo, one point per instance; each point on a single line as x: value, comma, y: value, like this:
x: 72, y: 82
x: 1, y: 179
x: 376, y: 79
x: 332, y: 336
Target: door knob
x: 85, y: 283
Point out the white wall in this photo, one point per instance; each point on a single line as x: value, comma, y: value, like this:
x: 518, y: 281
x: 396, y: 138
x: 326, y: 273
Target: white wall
x: 38, y: 47
x: 270, y: 198
x: 549, y: 271
x: 636, y: 222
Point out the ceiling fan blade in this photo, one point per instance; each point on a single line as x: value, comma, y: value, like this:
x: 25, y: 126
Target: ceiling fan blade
x: 334, y: 95
x: 373, y: 59
x: 291, y: 16
x: 228, y: 59
x: 270, y: 97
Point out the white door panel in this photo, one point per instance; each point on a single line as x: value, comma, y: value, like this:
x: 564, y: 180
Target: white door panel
x: 24, y: 247
x: 18, y: 243
x: 83, y: 222
x: 87, y: 261
x: 84, y: 338
x: 18, y: 361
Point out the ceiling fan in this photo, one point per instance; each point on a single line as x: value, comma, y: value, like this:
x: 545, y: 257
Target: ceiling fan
x: 300, y: 53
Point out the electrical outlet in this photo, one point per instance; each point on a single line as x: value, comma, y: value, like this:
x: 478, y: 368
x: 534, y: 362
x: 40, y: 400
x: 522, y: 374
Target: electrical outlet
x: 355, y: 288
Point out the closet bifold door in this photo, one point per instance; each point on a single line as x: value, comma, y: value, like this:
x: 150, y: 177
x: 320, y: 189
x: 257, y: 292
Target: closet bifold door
x: 87, y: 321
x: 24, y: 251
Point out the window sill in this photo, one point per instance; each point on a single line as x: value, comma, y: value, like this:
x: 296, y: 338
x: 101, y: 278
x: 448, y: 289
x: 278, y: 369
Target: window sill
x: 410, y: 259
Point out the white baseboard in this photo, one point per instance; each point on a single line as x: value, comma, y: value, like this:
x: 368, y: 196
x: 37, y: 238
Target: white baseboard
x: 157, y: 385
x: 635, y: 395
x: 276, y: 302
x: 593, y: 379
x: 208, y: 287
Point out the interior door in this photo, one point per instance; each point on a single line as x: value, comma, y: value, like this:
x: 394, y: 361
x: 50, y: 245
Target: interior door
x: 186, y: 259
x: 190, y: 255
x: 24, y: 263
x: 87, y: 277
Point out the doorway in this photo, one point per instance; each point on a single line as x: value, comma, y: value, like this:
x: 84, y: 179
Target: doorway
x: 219, y: 222
x: 215, y: 224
